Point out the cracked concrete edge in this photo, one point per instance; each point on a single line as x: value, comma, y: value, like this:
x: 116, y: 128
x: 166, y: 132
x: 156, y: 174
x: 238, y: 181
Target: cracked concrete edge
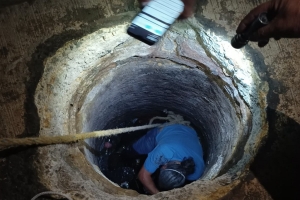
x: 46, y: 94
x: 251, y: 88
x: 281, y: 58
x: 288, y: 49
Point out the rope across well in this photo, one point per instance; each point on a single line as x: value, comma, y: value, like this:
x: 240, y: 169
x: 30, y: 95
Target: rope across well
x: 63, y: 139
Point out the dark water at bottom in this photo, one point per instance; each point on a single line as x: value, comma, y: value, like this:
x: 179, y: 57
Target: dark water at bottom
x: 120, y: 165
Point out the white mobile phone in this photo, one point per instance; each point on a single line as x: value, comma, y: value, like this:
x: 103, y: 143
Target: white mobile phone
x: 155, y: 19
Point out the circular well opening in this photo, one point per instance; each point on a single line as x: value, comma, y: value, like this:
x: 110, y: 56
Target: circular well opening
x: 106, y: 79
x: 138, y: 88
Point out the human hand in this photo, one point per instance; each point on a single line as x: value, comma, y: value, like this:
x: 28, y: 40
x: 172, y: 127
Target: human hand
x: 146, y: 179
x: 188, y: 11
x: 284, y: 17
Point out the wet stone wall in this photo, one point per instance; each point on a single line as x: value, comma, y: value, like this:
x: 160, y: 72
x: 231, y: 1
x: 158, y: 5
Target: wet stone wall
x: 85, y: 73
x: 108, y: 77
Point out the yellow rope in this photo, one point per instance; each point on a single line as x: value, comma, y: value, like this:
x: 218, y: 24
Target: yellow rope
x: 50, y: 193
x: 62, y: 139
x: 46, y: 140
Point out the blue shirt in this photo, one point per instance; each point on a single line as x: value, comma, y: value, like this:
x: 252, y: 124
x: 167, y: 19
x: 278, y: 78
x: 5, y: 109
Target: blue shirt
x: 174, y: 143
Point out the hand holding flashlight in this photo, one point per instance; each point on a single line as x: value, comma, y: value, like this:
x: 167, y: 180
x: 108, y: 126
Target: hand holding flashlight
x: 240, y: 40
x: 283, y: 16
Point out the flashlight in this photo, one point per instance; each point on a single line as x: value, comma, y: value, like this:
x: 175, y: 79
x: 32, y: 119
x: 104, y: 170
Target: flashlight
x: 240, y: 40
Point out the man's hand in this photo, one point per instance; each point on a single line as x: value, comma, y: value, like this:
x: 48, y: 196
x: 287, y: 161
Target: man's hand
x: 284, y: 17
x: 146, y: 179
x: 189, y: 6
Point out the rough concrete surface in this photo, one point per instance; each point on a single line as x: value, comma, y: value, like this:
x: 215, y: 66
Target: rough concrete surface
x: 32, y: 31
x: 94, y: 74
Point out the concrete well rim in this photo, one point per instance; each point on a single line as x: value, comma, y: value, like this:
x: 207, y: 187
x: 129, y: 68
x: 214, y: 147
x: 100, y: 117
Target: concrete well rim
x: 118, y: 51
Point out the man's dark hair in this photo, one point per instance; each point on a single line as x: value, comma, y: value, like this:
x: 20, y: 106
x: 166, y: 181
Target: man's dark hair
x: 174, y: 175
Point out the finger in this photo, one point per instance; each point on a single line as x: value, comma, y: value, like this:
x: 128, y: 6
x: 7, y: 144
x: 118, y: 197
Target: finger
x: 265, y: 32
x: 189, y: 6
x: 263, y: 43
x: 144, y: 2
x: 251, y: 16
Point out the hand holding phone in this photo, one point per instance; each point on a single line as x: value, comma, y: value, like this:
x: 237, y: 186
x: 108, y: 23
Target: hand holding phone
x: 155, y: 19
x: 188, y: 11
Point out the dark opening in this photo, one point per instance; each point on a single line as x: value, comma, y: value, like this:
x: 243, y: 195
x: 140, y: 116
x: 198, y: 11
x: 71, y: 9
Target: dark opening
x: 142, y: 88
x: 114, y: 160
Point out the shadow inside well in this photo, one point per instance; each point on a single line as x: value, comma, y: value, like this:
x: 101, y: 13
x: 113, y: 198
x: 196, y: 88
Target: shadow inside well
x: 277, y: 163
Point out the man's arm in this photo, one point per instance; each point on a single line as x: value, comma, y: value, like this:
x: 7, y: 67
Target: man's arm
x: 284, y: 21
x: 146, y: 179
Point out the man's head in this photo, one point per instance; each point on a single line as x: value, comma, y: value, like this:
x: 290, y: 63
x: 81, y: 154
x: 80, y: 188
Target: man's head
x: 173, y: 174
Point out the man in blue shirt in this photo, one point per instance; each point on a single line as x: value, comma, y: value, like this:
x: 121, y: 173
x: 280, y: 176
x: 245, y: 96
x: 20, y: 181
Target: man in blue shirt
x: 176, y: 150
